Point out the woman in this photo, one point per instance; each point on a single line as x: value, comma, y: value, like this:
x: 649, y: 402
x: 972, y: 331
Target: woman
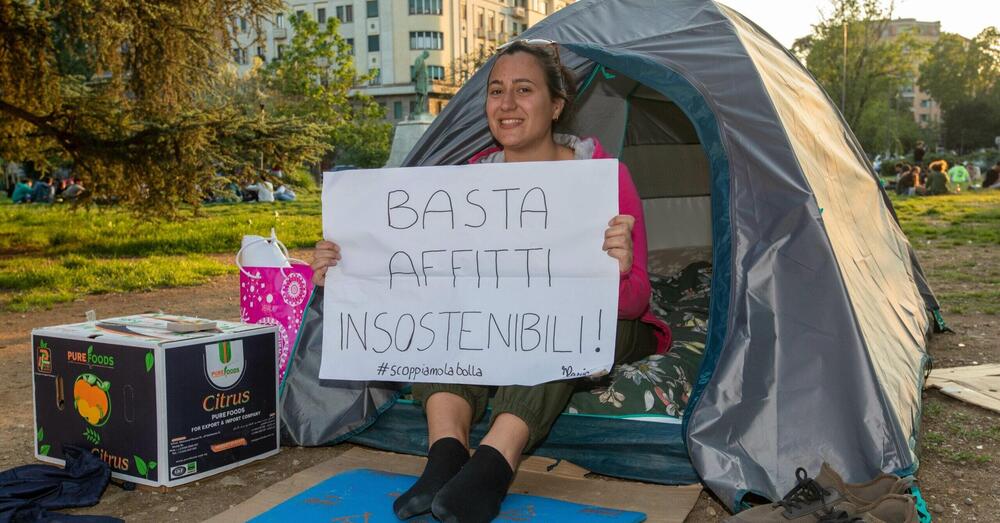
x: 919, y: 177
x: 937, y: 182
x: 528, y: 92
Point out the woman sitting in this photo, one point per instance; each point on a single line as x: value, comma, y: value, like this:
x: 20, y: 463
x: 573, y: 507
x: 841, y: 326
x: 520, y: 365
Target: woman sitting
x: 528, y: 92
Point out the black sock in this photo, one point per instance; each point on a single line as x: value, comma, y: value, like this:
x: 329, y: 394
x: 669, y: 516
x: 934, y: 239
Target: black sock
x: 474, y: 494
x: 444, y: 459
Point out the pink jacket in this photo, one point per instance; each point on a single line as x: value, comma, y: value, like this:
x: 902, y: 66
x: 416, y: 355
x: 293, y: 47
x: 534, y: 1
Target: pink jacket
x: 633, y: 289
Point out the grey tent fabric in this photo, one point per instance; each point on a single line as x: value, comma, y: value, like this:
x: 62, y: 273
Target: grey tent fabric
x: 817, y: 339
x: 323, y: 412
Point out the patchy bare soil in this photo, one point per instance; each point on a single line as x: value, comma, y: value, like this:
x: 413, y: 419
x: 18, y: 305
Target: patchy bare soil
x: 960, y: 443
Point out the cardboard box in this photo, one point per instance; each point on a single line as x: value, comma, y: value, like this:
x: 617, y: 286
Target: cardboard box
x: 160, y: 407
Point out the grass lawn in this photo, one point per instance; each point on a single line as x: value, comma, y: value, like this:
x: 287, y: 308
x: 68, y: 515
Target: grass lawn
x: 51, y: 254
x: 960, y: 219
x: 961, y: 232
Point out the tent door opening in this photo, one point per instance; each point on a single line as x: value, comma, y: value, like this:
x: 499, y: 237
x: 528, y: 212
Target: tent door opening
x: 659, y: 144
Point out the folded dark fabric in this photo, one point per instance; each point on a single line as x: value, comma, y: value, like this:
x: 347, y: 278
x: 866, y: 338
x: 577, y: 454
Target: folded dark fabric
x: 28, y: 492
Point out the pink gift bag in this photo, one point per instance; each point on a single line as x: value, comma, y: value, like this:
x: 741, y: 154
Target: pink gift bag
x: 275, y: 295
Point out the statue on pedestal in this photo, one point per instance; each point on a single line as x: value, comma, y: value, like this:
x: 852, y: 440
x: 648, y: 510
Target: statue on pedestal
x: 422, y: 83
x: 408, y: 132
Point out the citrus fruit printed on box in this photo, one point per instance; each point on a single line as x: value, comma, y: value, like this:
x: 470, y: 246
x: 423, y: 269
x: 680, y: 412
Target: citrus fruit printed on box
x: 91, y: 399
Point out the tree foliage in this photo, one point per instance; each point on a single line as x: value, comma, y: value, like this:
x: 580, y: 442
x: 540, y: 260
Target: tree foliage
x: 959, y: 70
x: 964, y: 77
x: 463, y: 67
x: 877, y: 67
x: 129, y: 93
x: 312, y: 79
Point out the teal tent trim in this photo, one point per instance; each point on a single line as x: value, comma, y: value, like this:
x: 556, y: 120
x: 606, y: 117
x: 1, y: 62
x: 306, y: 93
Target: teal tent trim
x: 590, y: 78
x: 628, y: 116
x: 691, y: 102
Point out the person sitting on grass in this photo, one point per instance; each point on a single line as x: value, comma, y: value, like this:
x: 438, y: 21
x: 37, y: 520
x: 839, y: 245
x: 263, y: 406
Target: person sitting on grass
x: 904, y: 179
x: 264, y: 189
x: 975, y: 175
x: 937, y: 182
x: 960, y: 178
x: 284, y: 194
x: 73, y: 190
x: 233, y: 188
x: 919, y: 182
x: 899, y: 169
x: 992, y: 179
x: 22, y: 191
x: 528, y: 92
x: 43, y: 191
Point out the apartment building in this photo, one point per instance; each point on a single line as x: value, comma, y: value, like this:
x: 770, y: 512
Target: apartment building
x: 388, y: 35
x: 926, y: 110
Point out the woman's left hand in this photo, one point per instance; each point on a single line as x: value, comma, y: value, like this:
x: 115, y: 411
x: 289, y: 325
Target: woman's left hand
x: 618, y: 240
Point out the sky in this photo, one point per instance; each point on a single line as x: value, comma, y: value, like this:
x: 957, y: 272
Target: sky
x: 787, y: 20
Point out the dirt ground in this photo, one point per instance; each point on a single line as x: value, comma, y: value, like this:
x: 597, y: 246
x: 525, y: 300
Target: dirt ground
x: 960, y: 456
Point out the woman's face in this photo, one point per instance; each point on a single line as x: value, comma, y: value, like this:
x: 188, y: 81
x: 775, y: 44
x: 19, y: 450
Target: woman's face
x: 519, y: 107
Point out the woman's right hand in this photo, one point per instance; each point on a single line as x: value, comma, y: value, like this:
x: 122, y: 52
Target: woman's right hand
x: 326, y: 255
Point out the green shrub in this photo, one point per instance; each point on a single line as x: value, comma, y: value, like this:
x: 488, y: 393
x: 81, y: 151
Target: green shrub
x: 300, y: 180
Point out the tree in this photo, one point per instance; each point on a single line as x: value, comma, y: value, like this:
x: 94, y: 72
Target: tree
x: 972, y: 124
x: 959, y: 70
x: 877, y: 67
x: 463, y: 67
x: 887, y: 125
x: 313, y: 79
x: 128, y: 92
x: 963, y: 76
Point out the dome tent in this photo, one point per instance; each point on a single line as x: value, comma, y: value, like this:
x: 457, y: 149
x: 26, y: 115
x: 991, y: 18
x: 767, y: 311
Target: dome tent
x: 816, y: 342
x: 817, y: 336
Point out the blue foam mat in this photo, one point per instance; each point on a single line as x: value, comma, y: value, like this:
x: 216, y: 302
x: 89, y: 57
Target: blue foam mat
x: 365, y: 496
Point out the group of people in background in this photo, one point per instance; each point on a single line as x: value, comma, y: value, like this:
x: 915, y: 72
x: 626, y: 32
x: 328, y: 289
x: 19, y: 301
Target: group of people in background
x: 45, y: 190
x: 263, y: 191
x: 268, y: 187
x: 937, y: 178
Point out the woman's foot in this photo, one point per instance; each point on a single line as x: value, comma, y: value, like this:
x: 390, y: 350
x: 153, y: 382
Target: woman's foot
x: 474, y: 494
x: 444, y: 459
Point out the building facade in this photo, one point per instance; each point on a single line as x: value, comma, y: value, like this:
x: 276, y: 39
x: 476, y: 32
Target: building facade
x: 926, y: 110
x: 388, y: 35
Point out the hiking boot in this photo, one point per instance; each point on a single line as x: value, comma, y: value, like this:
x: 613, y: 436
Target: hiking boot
x: 891, y: 509
x: 826, y: 499
x: 876, y: 490
x: 867, y: 492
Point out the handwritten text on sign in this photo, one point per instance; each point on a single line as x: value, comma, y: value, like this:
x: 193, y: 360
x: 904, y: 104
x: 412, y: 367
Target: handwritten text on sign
x: 484, y: 274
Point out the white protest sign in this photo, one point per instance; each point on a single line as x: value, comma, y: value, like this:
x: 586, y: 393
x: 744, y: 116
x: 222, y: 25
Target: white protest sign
x: 483, y: 274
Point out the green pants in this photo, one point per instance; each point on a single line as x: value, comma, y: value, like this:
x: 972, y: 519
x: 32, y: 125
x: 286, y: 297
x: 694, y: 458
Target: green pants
x: 539, y: 405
